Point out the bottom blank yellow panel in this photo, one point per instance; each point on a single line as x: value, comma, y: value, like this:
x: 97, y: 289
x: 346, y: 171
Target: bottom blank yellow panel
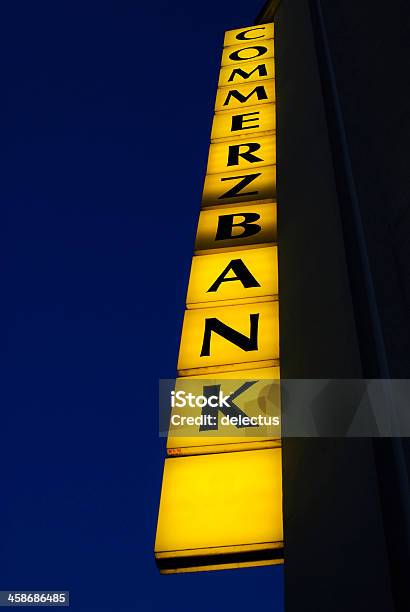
x: 220, y: 511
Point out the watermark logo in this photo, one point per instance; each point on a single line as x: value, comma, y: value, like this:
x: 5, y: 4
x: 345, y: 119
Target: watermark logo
x: 181, y: 399
x: 220, y: 407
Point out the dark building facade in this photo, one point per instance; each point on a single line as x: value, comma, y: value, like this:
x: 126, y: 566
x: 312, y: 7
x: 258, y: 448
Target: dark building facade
x: 343, y: 122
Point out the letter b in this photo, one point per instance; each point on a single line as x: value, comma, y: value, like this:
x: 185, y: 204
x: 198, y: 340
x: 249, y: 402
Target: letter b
x: 247, y: 222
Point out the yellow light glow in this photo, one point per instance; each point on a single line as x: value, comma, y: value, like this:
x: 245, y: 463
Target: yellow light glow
x: 259, y: 120
x: 221, y: 496
x: 247, y: 72
x: 245, y: 95
x: 262, y: 398
x: 240, y: 186
x: 205, y: 346
x: 240, y: 219
x: 216, y: 509
x: 250, y: 50
x: 211, y: 280
x: 251, y: 151
x: 251, y: 33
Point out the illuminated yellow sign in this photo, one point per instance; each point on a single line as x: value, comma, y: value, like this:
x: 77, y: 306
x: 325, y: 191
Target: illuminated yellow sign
x: 251, y: 50
x: 251, y: 151
x: 232, y: 278
x: 234, y: 227
x: 227, y: 339
x: 240, y: 186
x: 221, y: 509
x: 217, y: 509
x: 229, y: 125
x: 248, y: 420
x: 242, y: 96
x: 252, y: 33
x: 247, y: 72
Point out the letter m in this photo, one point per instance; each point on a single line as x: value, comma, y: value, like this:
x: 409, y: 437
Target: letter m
x: 261, y: 70
x: 258, y: 91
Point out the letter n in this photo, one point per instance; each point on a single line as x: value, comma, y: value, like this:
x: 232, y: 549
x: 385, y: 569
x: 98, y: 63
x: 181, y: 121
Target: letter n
x: 232, y: 335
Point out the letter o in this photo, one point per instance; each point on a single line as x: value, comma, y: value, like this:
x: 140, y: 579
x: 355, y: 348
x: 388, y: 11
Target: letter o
x: 236, y: 56
x: 200, y: 401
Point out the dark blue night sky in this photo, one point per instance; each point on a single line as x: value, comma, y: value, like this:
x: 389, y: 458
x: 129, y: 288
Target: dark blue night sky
x: 105, y: 122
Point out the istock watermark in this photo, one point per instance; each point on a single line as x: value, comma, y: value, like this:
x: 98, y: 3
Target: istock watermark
x: 181, y: 399
x: 271, y: 409
x: 212, y: 407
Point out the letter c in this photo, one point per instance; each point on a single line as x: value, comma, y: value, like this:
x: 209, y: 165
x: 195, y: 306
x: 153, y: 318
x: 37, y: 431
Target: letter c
x: 213, y: 404
x: 241, y: 35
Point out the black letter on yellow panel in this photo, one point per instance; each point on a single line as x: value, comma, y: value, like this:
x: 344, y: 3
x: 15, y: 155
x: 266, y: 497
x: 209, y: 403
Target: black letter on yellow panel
x: 231, y: 410
x: 238, y: 121
x: 234, y: 153
x: 241, y: 273
x: 235, y: 57
x: 245, y: 75
x: 260, y: 92
x: 226, y: 225
x: 215, y: 325
x: 236, y: 189
x: 241, y: 35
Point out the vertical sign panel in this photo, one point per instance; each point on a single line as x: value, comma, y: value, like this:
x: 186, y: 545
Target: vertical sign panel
x: 222, y: 509
x: 257, y: 50
x: 254, y: 405
x: 246, y: 72
x: 244, y: 95
x: 228, y: 125
x: 240, y: 186
x: 235, y: 227
x: 232, y: 278
x: 227, y: 338
x: 251, y: 151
